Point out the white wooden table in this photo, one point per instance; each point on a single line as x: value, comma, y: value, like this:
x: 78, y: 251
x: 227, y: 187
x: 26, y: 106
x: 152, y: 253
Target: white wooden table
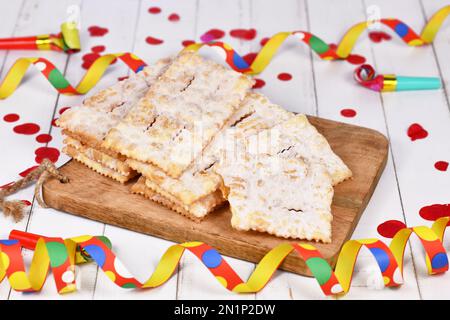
x: 321, y: 88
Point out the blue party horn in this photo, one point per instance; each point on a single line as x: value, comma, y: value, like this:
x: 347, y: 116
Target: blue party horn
x: 392, y: 82
x: 366, y: 76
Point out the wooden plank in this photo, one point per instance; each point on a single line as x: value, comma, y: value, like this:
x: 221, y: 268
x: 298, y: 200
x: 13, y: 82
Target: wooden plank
x: 294, y: 57
x: 133, y: 33
x: 297, y: 94
x: 336, y: 90
x: 7, y: 27
x: 59, y: 224
x: 441, y: 44
x: 121, y: 23
x: 420, y: 183
x: 35, y: 103
x: 94, y: 196
x: 117, y: 39
x: 20, y: 155
x: 226, y: 16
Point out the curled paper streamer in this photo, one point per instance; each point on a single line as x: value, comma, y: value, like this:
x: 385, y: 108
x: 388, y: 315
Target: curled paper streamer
x: 365, y: 75
x: 330, y: 52
x: 55, y: 253
x: 56, y: 78
x: 406, y: 33
x: 61, y: 256
x: 68, y: 40
x: 233, y: 59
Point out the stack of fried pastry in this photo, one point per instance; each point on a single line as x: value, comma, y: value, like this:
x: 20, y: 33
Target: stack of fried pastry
x: 85, y: 127
x: 199, y: 137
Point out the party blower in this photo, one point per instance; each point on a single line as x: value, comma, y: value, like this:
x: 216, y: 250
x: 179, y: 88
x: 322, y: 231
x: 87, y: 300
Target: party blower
x: 366, y: 76
x: 68, y: 40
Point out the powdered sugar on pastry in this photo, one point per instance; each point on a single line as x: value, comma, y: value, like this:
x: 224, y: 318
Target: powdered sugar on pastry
x: 281, y: 194
x: 297, y: 136
x: 180, y: 114
x: 255, y: 114
x: 100, y: 112
x: 86, y: 126
x: 263, y: 115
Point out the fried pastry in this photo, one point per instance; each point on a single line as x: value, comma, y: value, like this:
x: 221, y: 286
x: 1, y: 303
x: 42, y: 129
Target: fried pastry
x: 180, y: 114
x: 256, y: 113
x: 85, y: 126
x: 280, y: 194
x: 195, y: 211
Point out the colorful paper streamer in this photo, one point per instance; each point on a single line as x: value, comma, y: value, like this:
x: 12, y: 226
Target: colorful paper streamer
x: 321, y: 48
x: 233, y: 59
x: 56, y: 78
x: 61, y: 256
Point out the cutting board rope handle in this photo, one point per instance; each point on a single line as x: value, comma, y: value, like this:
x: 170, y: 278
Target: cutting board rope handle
x: 61, y: 255
x: 40, y: 174
x: 232, y: 58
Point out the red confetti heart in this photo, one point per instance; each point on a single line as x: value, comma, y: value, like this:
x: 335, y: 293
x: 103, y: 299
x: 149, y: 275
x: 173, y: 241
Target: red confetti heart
x: 86, y: 65
x: 213, y: 34
x: 435, y: 211
x: 26, y: 202
x: 27, y: 171
x: 96, y: 31
x: 416, y: 131
x: 174, y: 17
x: 259, y: 83
x: 263, y: 41
x: 12, y: 117
x: 441, y: 165
x: 27, y: 128
x: 153, y: 41
x: 356, y: 59
x: 88, y: 59
x: 243, y: 34
x: 284, y: 76
x: 44, y: 138
x: 46, y: 152
x: 389, y: 228
x: 378, y: 36
x: 91, y: 56
x: 250, y: 57
x: 349, y: 113
x: 154, y: 10
x: 63, y: 109
x: 98, y: 49
x: 186, y: 43
x: 122, y: 78
x: 54, y: 122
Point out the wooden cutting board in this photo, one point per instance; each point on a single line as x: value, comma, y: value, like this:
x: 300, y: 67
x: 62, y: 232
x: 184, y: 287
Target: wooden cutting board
x: 93, y: 196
